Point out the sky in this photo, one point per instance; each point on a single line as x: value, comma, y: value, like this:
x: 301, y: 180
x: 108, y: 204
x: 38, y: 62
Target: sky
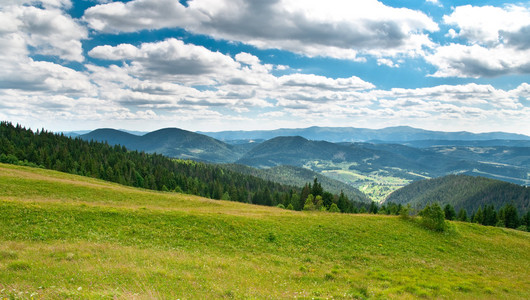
x: 213, y: 65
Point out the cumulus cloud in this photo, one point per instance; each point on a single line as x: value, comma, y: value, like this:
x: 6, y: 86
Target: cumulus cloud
x: 340, y: 29
x: 497, y: 42
x: 487, y: 24
x: 171, y: 59
x: 324, y: 83
x: 48, y: 30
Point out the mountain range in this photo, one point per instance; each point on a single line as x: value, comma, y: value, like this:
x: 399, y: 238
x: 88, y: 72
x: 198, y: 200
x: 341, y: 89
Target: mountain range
x: 172, y: 142
x: 397, y: 134
x: 363, y: 165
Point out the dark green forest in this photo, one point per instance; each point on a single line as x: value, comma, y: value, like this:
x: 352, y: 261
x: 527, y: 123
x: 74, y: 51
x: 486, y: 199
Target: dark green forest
x: 463, y: 192
x: 45, y: 149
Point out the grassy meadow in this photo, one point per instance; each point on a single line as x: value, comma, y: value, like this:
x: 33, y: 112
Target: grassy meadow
x: 65, y: 236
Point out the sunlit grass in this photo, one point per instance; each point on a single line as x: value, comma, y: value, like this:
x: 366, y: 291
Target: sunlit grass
x: 64, y: 236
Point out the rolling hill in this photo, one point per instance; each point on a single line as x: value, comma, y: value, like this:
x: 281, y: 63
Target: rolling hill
x: 296, y: 176
x: 66, y: 236
x: 172, y: 142
x: 375, y: 168
x: 461, y: 191
x: 394, y: 160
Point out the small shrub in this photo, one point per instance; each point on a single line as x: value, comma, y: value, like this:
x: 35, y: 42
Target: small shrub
x: 404, y: 212
x: 433, y: 218
x: 280, y: 206
x: 334, y: 208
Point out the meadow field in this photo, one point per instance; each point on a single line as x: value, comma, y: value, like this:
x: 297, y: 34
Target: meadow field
x: 65, y: 236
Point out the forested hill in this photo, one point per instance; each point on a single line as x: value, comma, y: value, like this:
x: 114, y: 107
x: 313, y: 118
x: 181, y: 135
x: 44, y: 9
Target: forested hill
x: 151, y: 171
x: 463, y: 192
x: 171, y: 142
x: 297, y: 176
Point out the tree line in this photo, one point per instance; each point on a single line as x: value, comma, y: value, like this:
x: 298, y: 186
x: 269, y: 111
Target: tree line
x: 45, y: 149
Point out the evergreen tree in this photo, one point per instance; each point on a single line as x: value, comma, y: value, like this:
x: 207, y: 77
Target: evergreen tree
x: 511, y: 218
x: 374, y: 208
x: 478, y: 217
x: 309, y: 205
x: 317, y: 189
x: 449, y: 212
x: 490, y: 216
x: 462, y: 215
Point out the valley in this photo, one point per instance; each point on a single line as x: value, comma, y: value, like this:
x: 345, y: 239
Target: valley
x: 376, y: 169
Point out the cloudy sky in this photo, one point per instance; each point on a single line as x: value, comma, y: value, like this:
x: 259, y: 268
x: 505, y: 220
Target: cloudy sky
x: 216, y: 65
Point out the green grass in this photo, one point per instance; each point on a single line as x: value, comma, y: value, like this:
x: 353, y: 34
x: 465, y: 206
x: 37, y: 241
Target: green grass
x: 64, y: 236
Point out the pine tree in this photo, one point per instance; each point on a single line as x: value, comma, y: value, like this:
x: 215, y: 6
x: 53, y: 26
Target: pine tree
x: 462, y: 215
x: 478, y: 217
x: 449, y: 212
x: 511, y: 218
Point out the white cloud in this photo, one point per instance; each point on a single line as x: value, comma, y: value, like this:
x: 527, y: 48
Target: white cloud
x: 434, y: 2
x: 25, y: 74
x: 486, y: 25
x: 387, y: 62
x: 497, y: 42
x: 48, y: 31
x: 170, y: 60
x: 476, y: 61
x: 340, y: 29
x: 324, y: 83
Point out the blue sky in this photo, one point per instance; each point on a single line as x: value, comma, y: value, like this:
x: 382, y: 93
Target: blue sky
x: 215, y: 65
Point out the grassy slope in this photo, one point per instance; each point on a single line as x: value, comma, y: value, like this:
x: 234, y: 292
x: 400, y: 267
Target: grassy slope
x: 68, y: 236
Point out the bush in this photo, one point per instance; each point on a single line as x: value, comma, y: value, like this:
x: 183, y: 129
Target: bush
x: 433, y: 217
x: 334, y: 208
x: 404, y: 212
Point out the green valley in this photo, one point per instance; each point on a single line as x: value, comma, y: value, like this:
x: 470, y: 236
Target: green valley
x: 67, y: 236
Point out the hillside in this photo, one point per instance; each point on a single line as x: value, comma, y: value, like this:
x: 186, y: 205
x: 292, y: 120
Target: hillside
x: 296, y: 176
x: 379, y: 169
x: 397, y: 134
x: 461, y: 191
x: 65, y: 236
x: 172, y: 142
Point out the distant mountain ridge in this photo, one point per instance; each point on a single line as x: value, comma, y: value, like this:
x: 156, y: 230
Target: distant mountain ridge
x: 351, y: 134
x: 397, y: 160
x: 506, y: 163
x: 172, y: 142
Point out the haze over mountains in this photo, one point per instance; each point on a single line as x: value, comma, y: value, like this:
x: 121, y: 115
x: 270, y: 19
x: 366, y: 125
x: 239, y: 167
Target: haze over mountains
x: 350, y: 134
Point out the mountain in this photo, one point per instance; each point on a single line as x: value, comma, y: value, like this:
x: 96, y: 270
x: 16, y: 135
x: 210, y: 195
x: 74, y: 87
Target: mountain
x: 296, y: 176
x: 111, y: 136
x: 357, y: 163
x: 397, y: 134
x: 298, y: 151
x: 461, y: 191
x: 172, y: 142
